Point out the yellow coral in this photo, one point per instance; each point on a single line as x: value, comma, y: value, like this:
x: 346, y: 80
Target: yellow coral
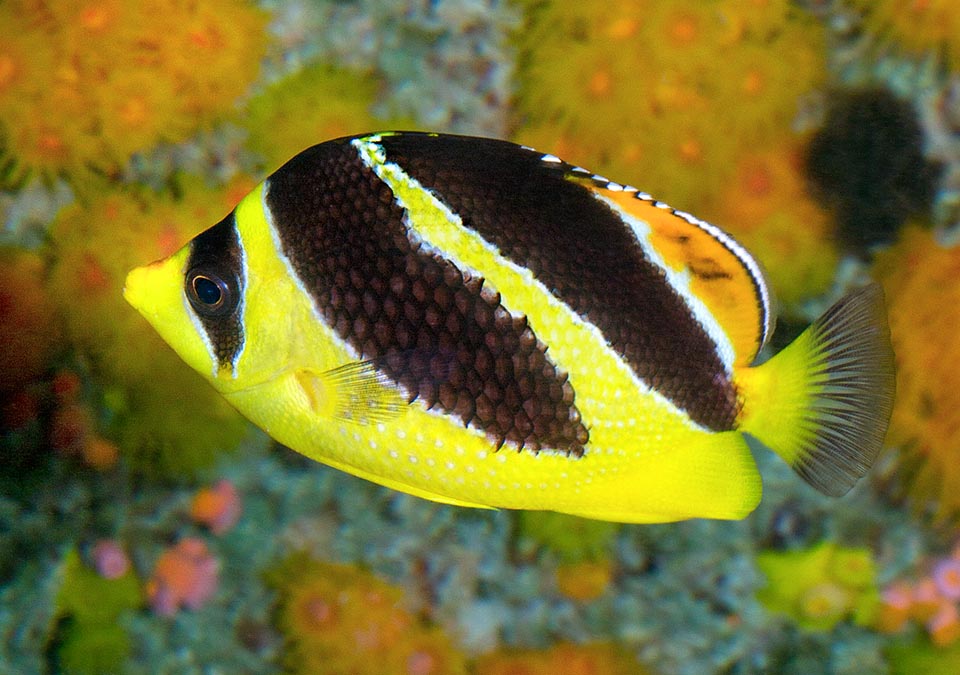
x: 95, y: 244
x: 921, y: 279
x: 85, y: 83
x: 585, y: 580
x: 137, y: 103
x: 339, y: 619
x: 762, y: 19
x: 814, y: 588
x: 43, y: 120
x: 765, y: 205
x: 26, y: 60
x: 227, y: 37
x: 919, y: 27
x: 662, y: 95
x: 315, y: 104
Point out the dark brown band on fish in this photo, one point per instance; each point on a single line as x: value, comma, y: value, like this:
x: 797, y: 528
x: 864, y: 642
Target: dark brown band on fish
x: 214, y: 285
x: 582, y: 251
x: 441, y: 336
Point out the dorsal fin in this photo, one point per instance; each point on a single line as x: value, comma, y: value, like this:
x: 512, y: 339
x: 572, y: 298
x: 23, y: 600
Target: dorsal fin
x: 723, y: 274
x: 548, y: 217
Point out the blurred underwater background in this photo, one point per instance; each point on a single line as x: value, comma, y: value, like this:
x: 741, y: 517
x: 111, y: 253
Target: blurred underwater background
x: 145, y: 527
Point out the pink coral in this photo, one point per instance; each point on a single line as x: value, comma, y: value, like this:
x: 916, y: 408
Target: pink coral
x: 186, y: 575
x: 110, y: 559
x: 896, y: 603
x: 944, y: 626
x: 946, y: 575
x: 931, y: 601
x: 218, y: 507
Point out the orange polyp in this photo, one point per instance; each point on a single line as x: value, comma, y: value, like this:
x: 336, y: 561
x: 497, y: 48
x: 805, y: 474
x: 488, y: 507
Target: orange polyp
x: 758, y: 182
x: 206, y: 38
x: 623, y: 28
x: 753, y: 83
x: 168, y: 241
x: 684, y: 30
x: 100, y: 454
x: 50, y: 143
x: 8, y: 70
x: 94, y: 17
x: 92, y: 275
x: 691, y: 150
x: 601, y: 83
x: 134, y: 111
x: 318, y: 613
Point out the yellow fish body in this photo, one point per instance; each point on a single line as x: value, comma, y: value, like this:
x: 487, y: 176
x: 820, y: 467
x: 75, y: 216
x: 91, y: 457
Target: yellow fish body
x: 480, y: 324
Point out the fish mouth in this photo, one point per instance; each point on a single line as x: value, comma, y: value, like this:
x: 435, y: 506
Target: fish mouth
x: 156, y: 292
x: 139, y: 281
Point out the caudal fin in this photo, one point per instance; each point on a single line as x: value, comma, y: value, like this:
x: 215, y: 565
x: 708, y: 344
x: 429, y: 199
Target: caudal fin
x: 823, y: 402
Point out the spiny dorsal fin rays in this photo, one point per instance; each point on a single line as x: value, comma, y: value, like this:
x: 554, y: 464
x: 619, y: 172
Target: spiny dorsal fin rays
x: 721, y: 273
x: 721, y: 269
x: 529, y: 215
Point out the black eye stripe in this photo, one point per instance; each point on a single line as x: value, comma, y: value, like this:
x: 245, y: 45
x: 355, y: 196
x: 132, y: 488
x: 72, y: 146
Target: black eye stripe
x: 213, y: 286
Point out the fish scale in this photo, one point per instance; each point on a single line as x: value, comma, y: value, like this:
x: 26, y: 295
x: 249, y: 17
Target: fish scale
x: 589, y: 248
x: 345, y: 285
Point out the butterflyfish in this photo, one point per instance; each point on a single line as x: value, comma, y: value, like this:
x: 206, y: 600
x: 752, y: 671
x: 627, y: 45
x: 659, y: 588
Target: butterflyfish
x: 480, y: 324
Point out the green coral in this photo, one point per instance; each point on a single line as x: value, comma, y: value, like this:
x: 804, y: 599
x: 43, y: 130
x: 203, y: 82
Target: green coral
x: 313, y: 105
x: 571, y: 538
x: 820, y: 586
x: 90, y: 639
x: 909, y: 657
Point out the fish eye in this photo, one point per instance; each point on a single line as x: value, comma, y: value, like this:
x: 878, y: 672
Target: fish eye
x: 209, y: 293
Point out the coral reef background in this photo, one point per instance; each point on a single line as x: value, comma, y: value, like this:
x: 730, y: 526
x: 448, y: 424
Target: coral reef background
x: 146, y: 528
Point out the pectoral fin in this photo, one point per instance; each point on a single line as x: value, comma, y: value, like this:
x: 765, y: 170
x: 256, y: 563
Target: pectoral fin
x: 356, y: 392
